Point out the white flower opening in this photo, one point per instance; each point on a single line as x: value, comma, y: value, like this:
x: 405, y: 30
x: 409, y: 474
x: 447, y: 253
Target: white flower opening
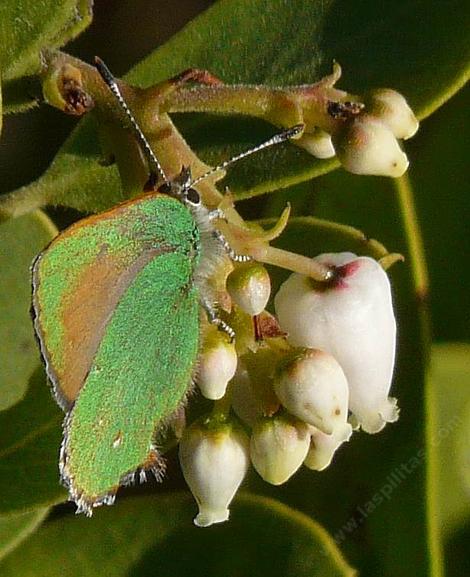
x: 323, y: 447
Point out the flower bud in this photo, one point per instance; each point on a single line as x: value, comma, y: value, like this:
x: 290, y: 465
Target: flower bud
x: 312, y: 386
x: 391, y: 108
x: 353, y: 320
x: 217, y: 364
x: 278, y: 446
x: 367, y: 146
x: 323, y: 447
x: 317, y: 143
x: 249, y: 286
x: 214, y: 458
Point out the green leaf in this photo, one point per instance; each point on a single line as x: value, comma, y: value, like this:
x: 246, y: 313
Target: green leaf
x: 26, y: 28
x: 450, y: 436
x: 29, y: 450
x: 20, y: 241
x: 155, y: 535
x: 15, y: 528
x: 419, y: 48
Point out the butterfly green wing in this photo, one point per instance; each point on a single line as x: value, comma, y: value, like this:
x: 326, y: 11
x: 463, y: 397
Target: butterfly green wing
x: 116, y: 313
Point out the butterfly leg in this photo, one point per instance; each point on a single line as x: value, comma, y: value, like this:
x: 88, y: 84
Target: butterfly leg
x: 215, y: 214
x: 216, y: 320
x: 228, y: 249
x: 218, y: 213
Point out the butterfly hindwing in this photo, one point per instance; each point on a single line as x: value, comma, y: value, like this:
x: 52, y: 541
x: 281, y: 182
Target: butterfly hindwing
x: 116, y: 313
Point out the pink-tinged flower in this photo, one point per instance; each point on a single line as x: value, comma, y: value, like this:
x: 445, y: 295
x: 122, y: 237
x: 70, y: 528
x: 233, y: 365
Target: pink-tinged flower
x: 368, y: 146
x: 353, y: 320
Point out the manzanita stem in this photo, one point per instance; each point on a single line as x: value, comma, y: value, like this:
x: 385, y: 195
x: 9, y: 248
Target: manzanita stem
x: 413, y: 236
x: 167, y: 143
x: 292, y: 261
x: 221, y: 408
x: 375, y: 248
x: 421, y: 286
x: 310, y: 104
x: 21, y: 201
x: 252, y: 242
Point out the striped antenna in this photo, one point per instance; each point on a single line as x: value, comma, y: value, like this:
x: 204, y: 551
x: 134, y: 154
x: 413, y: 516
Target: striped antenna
x: 276, y: 139
x: 156, y: 169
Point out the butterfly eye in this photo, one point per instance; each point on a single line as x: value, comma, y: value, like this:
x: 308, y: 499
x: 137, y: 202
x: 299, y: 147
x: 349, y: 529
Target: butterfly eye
x: 165, y: 188
x: 193, y: 197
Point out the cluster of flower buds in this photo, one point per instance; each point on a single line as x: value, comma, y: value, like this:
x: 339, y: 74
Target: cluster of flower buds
x: 296, y: 393
x: 365, y: 135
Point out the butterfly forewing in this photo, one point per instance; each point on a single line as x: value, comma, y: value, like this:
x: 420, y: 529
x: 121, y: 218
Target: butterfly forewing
x: 116, y: 313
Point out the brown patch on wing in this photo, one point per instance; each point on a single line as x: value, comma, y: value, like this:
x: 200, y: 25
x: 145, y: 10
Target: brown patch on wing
x: 88, y: 310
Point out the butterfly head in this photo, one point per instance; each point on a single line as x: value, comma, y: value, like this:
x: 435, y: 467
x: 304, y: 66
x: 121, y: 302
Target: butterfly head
x: 181, y: 188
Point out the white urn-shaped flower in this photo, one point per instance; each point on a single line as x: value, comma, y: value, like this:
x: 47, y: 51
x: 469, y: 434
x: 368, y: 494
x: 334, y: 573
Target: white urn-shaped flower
x: 214, y: 457
x: 217, y: 364
x: 352, y: 319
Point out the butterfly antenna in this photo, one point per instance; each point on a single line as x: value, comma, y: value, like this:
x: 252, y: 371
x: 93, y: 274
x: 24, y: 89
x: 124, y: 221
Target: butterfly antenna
x: 276, y: 139
x: 156, y: 169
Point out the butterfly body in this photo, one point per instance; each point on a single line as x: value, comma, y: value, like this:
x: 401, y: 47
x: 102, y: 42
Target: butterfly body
x: 116, y: 311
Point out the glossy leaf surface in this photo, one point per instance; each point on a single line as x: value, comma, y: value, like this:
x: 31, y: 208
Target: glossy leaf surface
x: 20, y: 241
x: 147, y: 536
x: 29, y: 450
x: 17, y: 527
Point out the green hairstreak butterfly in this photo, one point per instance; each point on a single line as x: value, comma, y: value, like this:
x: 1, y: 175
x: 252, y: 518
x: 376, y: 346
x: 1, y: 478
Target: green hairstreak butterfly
x: 117, y: 299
